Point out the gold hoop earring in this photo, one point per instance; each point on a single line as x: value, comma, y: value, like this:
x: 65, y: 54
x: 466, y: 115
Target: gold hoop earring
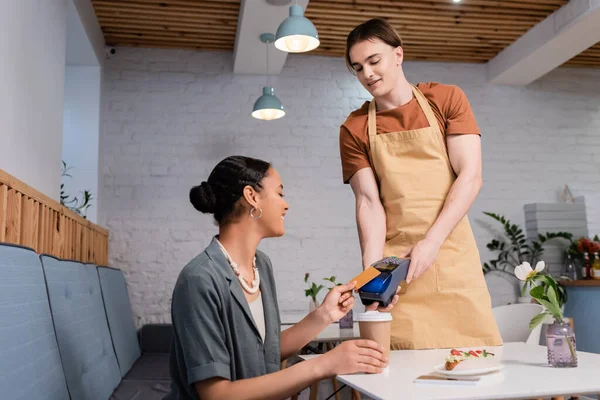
x: 252, y: 213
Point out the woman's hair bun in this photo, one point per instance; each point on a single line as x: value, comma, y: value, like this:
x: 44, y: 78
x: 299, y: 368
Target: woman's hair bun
x: 203, y: 198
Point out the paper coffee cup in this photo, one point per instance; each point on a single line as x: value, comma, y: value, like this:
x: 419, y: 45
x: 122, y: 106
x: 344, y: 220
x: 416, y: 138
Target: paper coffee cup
x: 376, y: 326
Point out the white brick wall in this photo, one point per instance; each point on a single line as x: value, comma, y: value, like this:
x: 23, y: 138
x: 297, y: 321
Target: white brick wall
x: 170, y: 116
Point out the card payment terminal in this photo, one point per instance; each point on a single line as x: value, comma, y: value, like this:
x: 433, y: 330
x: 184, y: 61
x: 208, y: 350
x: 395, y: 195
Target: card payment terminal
x: 383, y: 287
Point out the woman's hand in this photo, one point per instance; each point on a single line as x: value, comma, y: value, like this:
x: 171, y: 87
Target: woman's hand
x: 337, y: 303
x: 422, y: 256
x: 354, y: 356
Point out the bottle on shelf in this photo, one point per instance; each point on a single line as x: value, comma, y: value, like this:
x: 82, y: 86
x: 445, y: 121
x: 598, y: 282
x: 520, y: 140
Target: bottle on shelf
x: 596, y: 267
x: 569, y: 271
x: 587, y: 266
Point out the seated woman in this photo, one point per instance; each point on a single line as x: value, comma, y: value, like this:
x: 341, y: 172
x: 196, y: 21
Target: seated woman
x: 227, y: 342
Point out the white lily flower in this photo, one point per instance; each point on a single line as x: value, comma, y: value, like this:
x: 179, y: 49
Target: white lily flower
x: 524, y: 271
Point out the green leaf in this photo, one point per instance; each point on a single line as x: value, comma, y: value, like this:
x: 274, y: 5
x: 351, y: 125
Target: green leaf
x: 524, y: 289
x: 551, y: 293
x: 537, y: 292
x: 553, y: 309
x: 549, y: 282
x: 538, y: 319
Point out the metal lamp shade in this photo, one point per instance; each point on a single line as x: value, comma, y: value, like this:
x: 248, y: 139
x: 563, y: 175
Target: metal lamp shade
x: 268, y: 106
x: 296, y: 34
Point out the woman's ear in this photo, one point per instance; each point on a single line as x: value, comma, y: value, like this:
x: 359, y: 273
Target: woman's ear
x: 251, y: 196
x: 399, y: 52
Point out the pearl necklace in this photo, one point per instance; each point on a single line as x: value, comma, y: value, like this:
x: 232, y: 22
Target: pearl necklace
x: 255, y: 283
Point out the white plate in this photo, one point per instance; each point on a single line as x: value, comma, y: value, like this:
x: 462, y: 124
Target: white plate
x: 441, y: 369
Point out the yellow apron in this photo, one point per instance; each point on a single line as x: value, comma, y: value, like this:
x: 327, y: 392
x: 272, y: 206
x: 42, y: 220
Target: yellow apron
x: 449, y: 305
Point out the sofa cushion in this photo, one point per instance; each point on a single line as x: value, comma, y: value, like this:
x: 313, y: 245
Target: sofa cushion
x: 141, y: 390
x: 84, y: 340
x: 120, y: 318
x: 156, y: 338
x: 30, y: 365
x: 150, y: 367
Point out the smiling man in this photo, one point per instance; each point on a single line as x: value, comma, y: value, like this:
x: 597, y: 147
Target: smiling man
x: 412, y: 156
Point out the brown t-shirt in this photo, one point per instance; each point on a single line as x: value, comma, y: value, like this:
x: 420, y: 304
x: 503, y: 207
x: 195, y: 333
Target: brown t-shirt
x: 448, y: 102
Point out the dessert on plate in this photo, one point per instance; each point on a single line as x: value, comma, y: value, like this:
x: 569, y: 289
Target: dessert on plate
x: 470, y: 359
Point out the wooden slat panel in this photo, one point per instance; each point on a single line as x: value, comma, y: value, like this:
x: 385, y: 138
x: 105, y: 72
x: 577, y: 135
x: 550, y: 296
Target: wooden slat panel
x: 477, y: 30
x: 58, y: 245
x: 93, y: 248
x: 13, y: 217
x: 27, y: 228
x: 84, y: 245
x: 3, y: 211
x: 54, y: 234
x: 25, y: 189
x: 29, y: 218
x: 36, y: 226
x: 41, y: 229
x: 73, y: 240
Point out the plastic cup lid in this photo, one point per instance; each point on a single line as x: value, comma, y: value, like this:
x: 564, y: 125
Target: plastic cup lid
x: 374, y: 316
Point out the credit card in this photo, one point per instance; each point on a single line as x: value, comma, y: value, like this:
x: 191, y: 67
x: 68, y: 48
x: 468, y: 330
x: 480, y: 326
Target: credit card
x: 365, y: 277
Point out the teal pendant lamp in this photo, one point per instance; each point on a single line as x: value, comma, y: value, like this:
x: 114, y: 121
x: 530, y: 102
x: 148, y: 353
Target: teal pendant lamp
x: 268, y: 107
x: 296, y: 34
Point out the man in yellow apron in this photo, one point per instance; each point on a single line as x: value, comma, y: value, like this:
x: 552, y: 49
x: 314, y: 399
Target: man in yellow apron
x: 413, y: 158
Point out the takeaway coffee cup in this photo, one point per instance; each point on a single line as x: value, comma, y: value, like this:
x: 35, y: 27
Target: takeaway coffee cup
x: 376, y: 326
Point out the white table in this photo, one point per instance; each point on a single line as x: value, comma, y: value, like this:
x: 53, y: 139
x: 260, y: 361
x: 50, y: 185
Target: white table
x: 526, y: 374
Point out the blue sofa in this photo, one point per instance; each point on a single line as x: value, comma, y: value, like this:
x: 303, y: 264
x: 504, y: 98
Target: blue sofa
x: 67, y: 332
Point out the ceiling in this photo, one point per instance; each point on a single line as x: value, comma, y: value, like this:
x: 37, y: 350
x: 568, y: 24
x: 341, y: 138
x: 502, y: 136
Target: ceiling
x: 433, y: 30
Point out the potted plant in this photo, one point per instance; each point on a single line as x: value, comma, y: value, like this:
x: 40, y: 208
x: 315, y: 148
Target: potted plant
x: 560, y: 338
x: 515, y: 249
x: 312, y: 292
x: 78, y: 206
x: 347, y: 321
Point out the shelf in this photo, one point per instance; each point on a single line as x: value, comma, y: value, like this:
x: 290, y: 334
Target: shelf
x: 589, y: 282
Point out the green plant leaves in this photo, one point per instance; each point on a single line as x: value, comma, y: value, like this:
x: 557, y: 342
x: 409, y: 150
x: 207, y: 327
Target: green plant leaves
x: 551, y: 293
x: 535, y: 321
x: 516, y: 247
x: 552, y: 308
x: 537, y: 292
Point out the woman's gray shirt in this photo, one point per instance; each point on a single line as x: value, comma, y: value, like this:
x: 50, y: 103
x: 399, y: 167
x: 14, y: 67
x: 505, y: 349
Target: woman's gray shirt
x: 214, y: 334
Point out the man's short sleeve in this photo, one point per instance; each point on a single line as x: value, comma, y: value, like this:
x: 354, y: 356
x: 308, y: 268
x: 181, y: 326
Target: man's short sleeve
x: 200, y: 330
x: 458, y: 113
x: 353, y: 153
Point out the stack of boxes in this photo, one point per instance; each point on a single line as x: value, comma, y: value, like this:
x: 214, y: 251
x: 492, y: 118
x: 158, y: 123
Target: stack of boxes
x: 542, y: 218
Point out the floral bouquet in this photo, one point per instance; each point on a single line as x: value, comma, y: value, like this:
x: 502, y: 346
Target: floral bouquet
x: 584, y: 245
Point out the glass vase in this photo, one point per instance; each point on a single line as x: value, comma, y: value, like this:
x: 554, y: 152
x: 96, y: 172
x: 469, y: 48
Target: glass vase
x: 560, y: 340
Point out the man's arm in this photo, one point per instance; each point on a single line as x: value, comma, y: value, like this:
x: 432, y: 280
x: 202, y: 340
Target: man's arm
x: 370, y: 216
x: 465, y: 156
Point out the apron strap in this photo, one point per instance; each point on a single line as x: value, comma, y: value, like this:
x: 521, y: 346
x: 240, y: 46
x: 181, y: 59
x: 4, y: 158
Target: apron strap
x: 423, y: 103
x: 372, y: 119
x: 431, y: 119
